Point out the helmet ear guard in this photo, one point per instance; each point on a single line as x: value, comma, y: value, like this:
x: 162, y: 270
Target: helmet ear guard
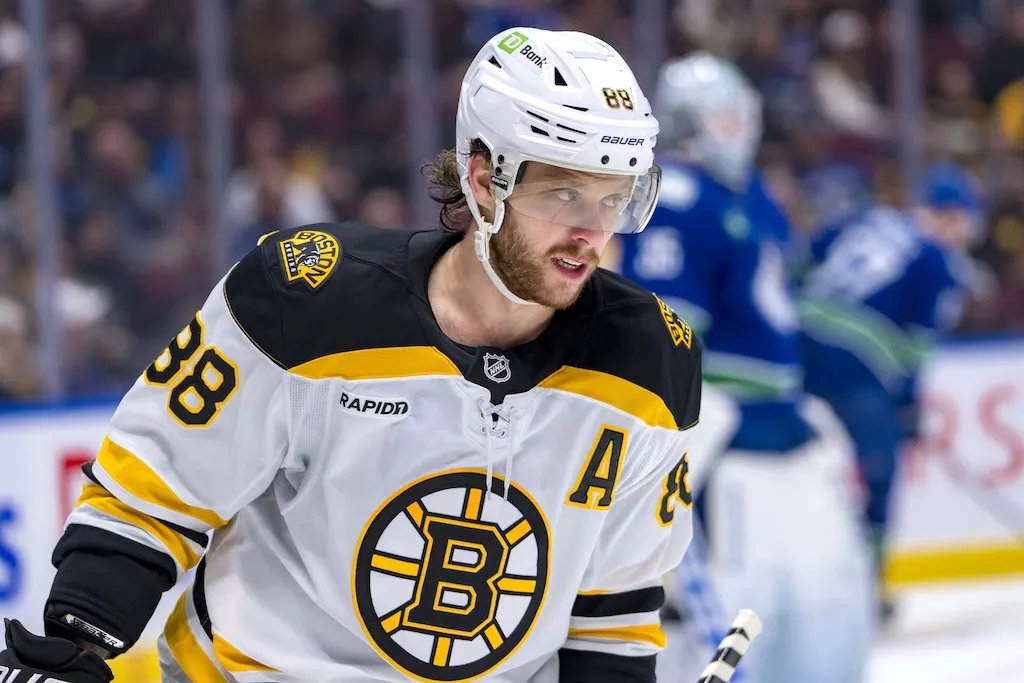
x: 483, y: 229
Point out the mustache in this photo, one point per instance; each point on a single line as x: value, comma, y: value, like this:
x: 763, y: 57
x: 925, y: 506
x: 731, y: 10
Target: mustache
x: 574, y: 250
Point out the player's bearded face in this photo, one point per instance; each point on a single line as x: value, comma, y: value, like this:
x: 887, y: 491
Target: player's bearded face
x: 529, y: 267
x: 557, y: 223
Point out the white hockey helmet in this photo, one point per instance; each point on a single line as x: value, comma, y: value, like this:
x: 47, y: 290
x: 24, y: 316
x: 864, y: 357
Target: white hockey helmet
x: 566, y: 99
x: 711, y: 110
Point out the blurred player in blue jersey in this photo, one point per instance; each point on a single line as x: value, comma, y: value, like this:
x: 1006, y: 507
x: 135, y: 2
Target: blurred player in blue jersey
x: 881, y: 287
x: 782, y: 532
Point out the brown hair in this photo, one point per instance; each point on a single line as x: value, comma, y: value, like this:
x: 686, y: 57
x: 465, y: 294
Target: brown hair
x: 443, y: 176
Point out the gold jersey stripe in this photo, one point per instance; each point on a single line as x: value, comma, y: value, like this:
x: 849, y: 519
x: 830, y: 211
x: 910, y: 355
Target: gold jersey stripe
x: 614, y: 391
x: 232, y: 659
x: 186, y: 650
x: 442, y: 651
x: 139, y: 479
x: 474, y: 498
x: 385, y: 363
x: 518, y: 532
x: 395, y: 566
x: 507, y: 584
x: 100, y: 499
x: 644, y: 633
x: 493, y: 636
x: 264, y: 237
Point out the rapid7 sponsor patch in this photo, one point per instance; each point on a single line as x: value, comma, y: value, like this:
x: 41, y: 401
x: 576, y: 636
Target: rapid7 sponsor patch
x: 373, y: 407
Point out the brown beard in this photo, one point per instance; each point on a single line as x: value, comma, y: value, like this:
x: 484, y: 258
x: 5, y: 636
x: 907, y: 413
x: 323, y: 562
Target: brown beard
x: 523, y: 271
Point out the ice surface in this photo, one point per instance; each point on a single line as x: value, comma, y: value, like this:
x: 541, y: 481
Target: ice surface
x: 953, y: 633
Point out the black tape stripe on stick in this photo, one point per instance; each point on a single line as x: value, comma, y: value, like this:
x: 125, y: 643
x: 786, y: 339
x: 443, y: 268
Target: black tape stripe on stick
x: 730, y: 651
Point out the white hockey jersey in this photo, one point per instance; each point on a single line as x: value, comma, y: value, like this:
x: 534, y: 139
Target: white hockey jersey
x: 387, y: 505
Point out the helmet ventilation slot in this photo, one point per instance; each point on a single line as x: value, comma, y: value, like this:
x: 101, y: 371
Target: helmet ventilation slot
x: 564, y: 127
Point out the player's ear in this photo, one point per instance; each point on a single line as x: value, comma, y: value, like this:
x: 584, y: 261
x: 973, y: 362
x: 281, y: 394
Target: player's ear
x: 480, y: 184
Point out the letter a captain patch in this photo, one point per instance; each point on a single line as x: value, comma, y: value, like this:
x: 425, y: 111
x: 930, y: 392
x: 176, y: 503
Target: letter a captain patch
x: 310, y: 256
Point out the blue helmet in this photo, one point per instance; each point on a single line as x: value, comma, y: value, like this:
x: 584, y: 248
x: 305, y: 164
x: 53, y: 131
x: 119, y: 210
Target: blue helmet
x: 950, y: 197
x: 947, y: 187
x: 708, y: 109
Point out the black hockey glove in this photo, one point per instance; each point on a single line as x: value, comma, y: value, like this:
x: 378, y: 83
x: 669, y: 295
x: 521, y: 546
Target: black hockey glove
x: 52, y: 660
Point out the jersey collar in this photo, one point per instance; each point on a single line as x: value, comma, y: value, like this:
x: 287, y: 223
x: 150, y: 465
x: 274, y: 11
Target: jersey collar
x: 500, y: 371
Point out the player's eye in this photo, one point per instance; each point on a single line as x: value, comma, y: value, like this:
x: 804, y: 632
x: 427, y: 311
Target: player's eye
x: 567, y: 195
x: 614, y: 201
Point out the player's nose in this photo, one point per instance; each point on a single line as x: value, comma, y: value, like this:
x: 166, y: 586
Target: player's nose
x: 592, y: 237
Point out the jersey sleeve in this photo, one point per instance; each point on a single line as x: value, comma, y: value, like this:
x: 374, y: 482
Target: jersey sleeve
x: 937, y: 299
x: 933, y: 308
x: 617, y: 609
x: 201, y: 433
x: 615, y: 629
x: 677, y: 255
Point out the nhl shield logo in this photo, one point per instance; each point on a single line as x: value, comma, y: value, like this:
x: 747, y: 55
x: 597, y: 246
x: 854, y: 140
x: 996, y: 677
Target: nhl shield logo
x: 496, y: 368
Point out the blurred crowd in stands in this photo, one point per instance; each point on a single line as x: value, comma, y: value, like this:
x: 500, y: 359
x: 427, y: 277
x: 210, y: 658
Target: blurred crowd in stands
x: 317, y: 100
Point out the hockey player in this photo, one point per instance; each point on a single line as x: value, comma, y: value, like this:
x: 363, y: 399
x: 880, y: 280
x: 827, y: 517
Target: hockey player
x: 440, y: 455
x: 781, y: 538
x: 881, y: 287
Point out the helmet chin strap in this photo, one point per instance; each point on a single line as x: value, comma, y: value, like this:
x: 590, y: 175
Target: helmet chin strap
x: 482, y: 240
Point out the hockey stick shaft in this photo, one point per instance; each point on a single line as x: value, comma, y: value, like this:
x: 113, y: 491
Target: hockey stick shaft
x: 727, y: 657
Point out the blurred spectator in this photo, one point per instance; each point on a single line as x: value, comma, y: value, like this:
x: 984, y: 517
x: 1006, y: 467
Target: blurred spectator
x: 117, y: 181
x: 18, y: 375
x: 383, y: 207
x: 714, y: 25
x: 1004, y: 59
x: 488, y: 17
x: 13, y: 42
x: 96, y: 352
x: 266, y: 194
x: 840, y: 80
x: 1002, y: 249
x: 957, y: 126
x: 319, y: 105
x: 784, y: 82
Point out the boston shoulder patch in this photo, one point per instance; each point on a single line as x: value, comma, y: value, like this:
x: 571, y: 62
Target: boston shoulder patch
x: 310, y: 256
x: 677, y: 327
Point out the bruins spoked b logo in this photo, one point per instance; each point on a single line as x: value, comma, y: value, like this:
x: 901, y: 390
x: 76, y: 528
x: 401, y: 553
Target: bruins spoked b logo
x: 448, y: 581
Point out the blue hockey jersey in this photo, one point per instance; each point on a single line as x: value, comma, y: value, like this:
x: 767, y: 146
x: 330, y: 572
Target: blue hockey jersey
x: 719, y: 259
x: 875, y: 297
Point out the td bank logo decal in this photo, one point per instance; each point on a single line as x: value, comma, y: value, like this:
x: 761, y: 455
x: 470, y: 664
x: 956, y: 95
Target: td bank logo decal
x: 513, y: 42
x: 428, y: 591
x: 517, y: 42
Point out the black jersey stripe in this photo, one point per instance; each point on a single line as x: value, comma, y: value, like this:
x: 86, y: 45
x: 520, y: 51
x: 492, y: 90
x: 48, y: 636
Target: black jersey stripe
x: 200, y: 539
x: 616, y: 604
